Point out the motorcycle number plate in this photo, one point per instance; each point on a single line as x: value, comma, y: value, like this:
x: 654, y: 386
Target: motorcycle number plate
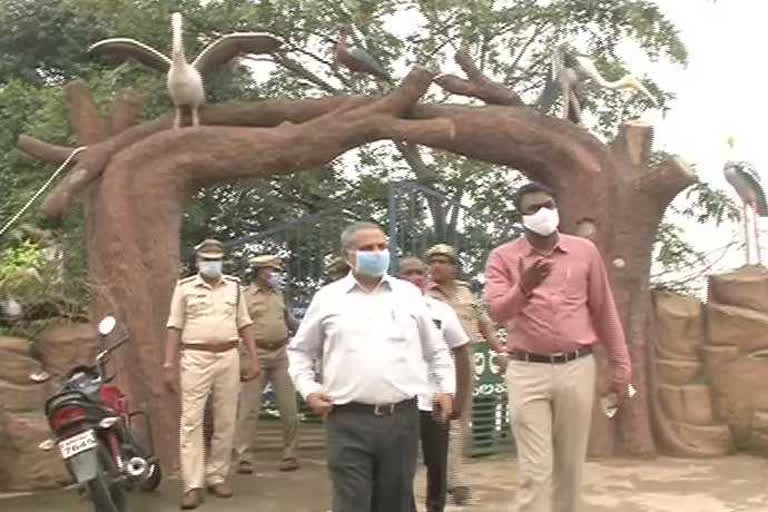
x: 77, y: 444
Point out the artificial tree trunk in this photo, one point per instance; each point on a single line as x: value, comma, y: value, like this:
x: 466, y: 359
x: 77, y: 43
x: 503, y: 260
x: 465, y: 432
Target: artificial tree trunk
x: 138, y: 179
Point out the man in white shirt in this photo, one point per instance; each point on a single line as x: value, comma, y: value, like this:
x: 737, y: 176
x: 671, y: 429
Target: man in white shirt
x: 434, y: 433
x: 373, y: 334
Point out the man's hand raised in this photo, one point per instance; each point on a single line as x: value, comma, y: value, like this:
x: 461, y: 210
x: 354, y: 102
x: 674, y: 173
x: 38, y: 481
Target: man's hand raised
x: 534, y: 275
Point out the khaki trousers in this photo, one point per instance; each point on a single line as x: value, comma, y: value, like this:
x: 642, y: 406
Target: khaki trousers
x: 459, y: 433
x: 551, y: 408
x: 274, y: 369
x: 203, y: 373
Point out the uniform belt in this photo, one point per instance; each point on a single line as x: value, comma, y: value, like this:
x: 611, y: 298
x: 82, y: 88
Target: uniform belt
x: 376, y: 410
x: 272, y: 345
x: 558, y: 358
x: 213, y: 347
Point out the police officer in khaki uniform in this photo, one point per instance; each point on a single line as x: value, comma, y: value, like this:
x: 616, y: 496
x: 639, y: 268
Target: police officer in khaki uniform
x: 443, y: 286
x: 272, y: 325
x: 208, y: 316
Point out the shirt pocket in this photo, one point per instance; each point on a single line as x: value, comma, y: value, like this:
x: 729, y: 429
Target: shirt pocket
x: 256, y: 309
x: 574, y: 282
x: 405, y: 326
x: 230, y: 307
x: 198, y: 305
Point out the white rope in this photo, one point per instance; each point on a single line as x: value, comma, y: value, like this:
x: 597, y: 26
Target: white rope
x: 42, y: 189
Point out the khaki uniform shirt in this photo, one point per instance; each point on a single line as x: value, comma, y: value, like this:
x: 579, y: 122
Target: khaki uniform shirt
x: 466, y: 306
x: 267, y: 309
x: 208, y: 314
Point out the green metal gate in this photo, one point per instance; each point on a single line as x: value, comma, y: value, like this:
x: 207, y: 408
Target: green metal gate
x: 412, y: 229
x: 491, y: 432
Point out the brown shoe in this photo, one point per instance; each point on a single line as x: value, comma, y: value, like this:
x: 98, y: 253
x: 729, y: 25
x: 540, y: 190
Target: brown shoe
x: 461, y: 495
x: 245, y: 467
x: 290, y: 464
x: 191, y: 499
x: 222, y: 490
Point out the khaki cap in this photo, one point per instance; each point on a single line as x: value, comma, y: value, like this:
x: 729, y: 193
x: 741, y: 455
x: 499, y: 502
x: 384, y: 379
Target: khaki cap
x: 209, y: 248
x: 410, y: 263
x: 440, y: 250
x: 266, y: 260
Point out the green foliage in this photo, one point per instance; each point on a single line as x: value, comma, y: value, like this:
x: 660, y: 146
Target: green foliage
x: 681, y: 264
x: 35, y: 273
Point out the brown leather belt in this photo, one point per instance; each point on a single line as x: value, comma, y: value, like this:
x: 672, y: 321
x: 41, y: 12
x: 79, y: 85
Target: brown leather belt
x: 272, y: 346
x: 559, y: 358
x: 376, y: 410
x: 213, y: 347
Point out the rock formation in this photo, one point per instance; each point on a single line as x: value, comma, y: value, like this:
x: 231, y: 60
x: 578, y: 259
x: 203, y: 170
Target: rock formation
x: 710, y: 367
x: 23, y: 466
x: 736, y: 358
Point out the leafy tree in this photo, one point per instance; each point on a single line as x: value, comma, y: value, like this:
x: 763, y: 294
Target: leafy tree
x: 510, y: 41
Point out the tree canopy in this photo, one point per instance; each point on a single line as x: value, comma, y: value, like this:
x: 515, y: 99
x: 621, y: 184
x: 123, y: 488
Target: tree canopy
x: 45, y: 42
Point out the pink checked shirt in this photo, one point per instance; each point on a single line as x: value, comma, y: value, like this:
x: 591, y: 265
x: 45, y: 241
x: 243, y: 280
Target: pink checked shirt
x: 572, y: 308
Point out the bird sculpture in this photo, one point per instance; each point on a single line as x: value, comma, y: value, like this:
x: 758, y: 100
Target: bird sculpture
x: 569, y: 73
x: 185, y: 81
x: 745, y: 180
x: 357, y: 60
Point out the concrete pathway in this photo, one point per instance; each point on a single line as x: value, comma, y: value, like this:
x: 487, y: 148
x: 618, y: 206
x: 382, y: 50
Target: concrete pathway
x: 731, y: 484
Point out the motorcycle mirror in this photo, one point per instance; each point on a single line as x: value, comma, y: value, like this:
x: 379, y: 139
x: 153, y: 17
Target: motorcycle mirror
x: 106, y: 325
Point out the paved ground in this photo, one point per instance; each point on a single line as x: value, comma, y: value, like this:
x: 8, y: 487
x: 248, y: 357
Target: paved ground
x: 731, y: 484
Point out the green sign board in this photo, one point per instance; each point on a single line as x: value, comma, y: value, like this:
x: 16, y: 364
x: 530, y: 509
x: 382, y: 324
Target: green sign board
x: 489, y: 378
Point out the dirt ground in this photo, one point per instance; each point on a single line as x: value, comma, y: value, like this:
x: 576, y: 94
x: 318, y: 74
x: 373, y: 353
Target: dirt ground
x: 731, y: 484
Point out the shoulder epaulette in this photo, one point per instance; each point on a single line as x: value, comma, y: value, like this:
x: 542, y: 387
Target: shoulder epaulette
x: 463, y: 283
x: 186, y: 279
x: 232, y: 278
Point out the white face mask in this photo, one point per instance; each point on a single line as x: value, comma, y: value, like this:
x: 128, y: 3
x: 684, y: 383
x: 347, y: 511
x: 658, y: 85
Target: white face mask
x: 544, y: 222
x: 210, y: 269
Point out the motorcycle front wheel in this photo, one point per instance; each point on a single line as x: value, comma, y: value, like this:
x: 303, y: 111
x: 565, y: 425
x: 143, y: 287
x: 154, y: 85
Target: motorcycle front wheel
x: 105, y: 493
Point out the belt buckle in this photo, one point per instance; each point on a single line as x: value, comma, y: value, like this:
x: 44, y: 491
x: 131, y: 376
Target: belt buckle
x: 378, y: 409
x: 554, y: 357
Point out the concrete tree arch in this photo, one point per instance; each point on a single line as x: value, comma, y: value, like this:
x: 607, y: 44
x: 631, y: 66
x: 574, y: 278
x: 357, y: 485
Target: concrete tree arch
x: 136, y: 179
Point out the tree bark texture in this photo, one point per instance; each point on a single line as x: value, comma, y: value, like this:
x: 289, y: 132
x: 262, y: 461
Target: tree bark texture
x: 136, y: 179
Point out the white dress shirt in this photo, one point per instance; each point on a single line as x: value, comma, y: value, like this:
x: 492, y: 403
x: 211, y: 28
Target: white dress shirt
x: 373, y: 345
x: 452, y: 334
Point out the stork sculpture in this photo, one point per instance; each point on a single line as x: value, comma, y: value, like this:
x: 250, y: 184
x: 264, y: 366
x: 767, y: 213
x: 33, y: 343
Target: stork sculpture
x: 746, y: 182
x: 356, y: 60
x: 569, y: 72
x: 185, y: 81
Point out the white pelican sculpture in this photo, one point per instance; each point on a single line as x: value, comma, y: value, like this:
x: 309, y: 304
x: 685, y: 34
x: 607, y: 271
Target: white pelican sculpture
x: 570, y: 70
x: 185, y: 82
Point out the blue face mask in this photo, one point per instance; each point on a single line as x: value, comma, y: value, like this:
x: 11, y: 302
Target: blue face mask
x: 372, y: 263
x: 276, y: 281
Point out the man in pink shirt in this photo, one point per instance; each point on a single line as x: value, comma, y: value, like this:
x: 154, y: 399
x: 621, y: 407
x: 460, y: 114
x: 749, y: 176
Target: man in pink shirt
x: 552, y: 294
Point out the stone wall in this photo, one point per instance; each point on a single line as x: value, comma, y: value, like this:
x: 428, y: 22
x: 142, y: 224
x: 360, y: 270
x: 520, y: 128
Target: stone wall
x: 711, y: 365
x: 26, y: 381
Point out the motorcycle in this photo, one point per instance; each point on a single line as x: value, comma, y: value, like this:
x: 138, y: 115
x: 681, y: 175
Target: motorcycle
x: 95, y: 432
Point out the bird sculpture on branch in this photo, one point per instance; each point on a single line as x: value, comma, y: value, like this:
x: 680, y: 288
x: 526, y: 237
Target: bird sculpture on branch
x: 357, y: 60
x: 746, y: 182
x: 185, y: 80
x: 570, y: 71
